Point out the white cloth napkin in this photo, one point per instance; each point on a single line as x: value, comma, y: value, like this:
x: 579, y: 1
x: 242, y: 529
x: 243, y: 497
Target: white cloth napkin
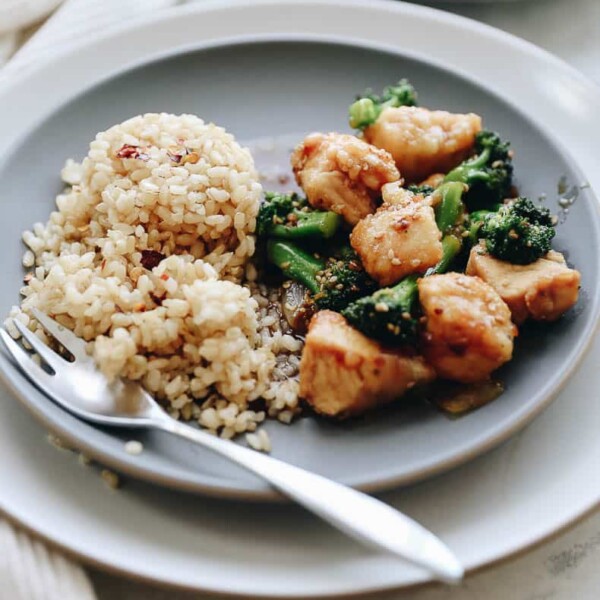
x: 28, y: 569
x: 75, y: 20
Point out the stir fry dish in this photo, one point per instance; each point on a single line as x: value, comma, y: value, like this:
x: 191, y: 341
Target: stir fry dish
x: 410, y: 255
x: 400, y: 266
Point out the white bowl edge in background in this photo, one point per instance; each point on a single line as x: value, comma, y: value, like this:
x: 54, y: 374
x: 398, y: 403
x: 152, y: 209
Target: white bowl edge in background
x: 533, y: 504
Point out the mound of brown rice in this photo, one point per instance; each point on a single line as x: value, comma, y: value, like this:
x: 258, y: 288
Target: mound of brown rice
x: 147, y: 258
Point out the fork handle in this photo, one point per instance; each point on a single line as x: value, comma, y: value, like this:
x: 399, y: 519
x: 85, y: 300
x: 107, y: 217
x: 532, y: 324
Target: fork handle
x: 360, y: 516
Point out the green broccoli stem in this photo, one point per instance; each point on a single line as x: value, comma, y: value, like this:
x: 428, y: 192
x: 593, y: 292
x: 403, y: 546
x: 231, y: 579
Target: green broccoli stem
x: 309, y: 225
x: 407, y: 292
x: 476, y: 219
x: 451, y: 207
x: 451, y: 247
x: 469, y: 167
x: 295, y: 263
x: 449, y: 215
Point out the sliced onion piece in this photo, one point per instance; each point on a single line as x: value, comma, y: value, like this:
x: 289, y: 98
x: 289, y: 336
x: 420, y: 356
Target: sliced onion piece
x: 296, y: 308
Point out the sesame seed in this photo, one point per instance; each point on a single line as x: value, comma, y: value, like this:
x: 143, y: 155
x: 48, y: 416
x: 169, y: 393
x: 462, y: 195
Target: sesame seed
x: 382, y: 307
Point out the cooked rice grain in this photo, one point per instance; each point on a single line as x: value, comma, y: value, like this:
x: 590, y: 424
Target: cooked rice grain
x: 144, y: 259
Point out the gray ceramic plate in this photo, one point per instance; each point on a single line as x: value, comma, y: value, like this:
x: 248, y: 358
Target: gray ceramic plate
x: 273, y: 88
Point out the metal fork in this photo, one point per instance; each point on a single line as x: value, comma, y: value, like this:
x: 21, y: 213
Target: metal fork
x: 80, y: 388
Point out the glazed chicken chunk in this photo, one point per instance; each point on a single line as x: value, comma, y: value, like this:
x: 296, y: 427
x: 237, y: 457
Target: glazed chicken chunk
x: 424, y: 142
x: 468, y: 329
x: 399, y: 239
x: 342, y: 372
x: 543, y: 290
x: 342, y: 173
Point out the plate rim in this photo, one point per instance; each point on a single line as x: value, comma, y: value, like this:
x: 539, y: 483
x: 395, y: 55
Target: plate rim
x: 210, y: 485
x: 546, y: 56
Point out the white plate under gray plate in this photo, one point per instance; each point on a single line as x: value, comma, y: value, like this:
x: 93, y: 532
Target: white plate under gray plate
x: 496, y: 505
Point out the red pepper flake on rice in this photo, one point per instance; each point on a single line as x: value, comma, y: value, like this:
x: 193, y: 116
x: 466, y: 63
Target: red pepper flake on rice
x: 158, y: 300
x: 129, y: 151
x: 176, y: 158
x: 151, y: 259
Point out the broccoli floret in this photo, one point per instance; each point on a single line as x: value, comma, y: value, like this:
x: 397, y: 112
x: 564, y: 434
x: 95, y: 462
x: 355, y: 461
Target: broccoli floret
x: 333, y: 283
x: 421, y: 190
x: 367, y: 108
x: 289, y: 216
x: 488, y: 174
x: 276, y: 208
x: 342, y: 281
x: 391, y: 315
x: 476, y: 220
x: 520, y: 232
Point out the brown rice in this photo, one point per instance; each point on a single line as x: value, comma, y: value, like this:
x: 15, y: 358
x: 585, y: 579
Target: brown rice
x: 147, y: 259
